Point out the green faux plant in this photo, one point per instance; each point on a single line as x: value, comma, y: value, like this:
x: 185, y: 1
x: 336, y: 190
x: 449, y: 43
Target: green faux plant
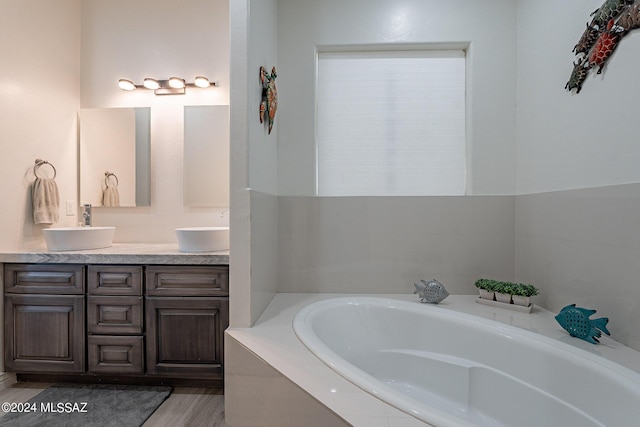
x: 506, y: 287
x: 524, y: 290
x: 486, y: 284
x: 512, y: 288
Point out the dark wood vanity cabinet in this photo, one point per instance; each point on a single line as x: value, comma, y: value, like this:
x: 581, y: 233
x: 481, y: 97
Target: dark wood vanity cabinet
x: 115, y: 344
x: 116, y: 320
x: 44, y: 318
x: 187, y: 311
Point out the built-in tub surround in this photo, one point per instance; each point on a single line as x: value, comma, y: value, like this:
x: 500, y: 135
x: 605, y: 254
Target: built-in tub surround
x: 273, y: 340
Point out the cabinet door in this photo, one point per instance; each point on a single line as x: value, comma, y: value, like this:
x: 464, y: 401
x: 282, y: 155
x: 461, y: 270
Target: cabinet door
x: 44, y: 333
x: 185, y: 335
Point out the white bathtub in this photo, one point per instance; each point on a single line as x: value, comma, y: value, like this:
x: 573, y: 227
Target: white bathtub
x: 454, y: 369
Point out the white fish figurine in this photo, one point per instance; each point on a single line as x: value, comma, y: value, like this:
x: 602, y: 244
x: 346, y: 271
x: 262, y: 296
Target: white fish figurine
x: 431, y: 292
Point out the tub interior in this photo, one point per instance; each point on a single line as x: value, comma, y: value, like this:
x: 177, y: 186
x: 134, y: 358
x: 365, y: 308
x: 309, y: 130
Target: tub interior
x: 471, y: 391
x: 450, y: 369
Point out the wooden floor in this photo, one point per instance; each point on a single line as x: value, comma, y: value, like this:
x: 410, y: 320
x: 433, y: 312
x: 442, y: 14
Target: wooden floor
x: 186, y: 406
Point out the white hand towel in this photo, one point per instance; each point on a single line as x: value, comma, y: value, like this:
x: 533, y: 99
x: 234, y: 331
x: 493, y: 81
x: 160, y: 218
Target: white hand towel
x: 46, y: 202
x: 110, y: 197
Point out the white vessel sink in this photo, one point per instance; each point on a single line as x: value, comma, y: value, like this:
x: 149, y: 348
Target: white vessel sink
x: 78, y: 238
x: 203, y: 239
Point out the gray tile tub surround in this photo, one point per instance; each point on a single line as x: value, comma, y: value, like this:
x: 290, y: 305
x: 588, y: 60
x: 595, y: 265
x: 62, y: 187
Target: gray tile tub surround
x: 385, y: 244
x: 583, y: 246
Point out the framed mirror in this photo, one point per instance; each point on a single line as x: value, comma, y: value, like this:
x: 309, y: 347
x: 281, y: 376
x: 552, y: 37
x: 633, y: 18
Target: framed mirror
x: 206, y: 155
x: 115, y: 157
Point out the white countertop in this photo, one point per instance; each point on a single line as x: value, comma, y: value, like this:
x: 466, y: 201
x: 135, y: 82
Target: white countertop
x: 119, y: 253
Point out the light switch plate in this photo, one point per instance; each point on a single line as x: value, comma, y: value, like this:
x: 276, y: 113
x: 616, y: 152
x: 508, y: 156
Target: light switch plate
x: 71, y: 206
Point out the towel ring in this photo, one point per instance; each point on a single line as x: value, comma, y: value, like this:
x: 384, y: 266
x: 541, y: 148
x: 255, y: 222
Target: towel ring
x: 108, y: 174
x: 40, y: 162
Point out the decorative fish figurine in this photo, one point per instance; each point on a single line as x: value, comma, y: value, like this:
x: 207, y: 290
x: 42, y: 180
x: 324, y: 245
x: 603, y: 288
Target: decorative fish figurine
x: 431, y: 292
x: 575, y: 320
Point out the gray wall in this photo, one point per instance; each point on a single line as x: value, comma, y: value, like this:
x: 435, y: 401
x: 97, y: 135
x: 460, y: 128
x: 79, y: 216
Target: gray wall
x: 583, y: 247
x: 385, y: 244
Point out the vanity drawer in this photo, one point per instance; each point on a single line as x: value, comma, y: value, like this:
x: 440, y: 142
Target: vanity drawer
x: 115, y: 354
x: 114, y: 315
x: 187, y: 280
x: 114, y: 280
x: 53, y: 279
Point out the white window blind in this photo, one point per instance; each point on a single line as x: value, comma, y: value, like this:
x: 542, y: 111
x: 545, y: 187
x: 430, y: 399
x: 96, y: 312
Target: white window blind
x: 391, y: 123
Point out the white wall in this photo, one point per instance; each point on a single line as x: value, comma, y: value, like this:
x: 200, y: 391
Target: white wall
x: 263, y: 160
x: 577, y: 234
x: 568, y: 140
x: 285, y: 33
x: 254, y: 224
x: 263, y: 51
x: 39, y: 98
x: 377, y: 244
x: 577, y: 247
x: 153, y: 38
x: 42, y: 39
x: 489, y: 26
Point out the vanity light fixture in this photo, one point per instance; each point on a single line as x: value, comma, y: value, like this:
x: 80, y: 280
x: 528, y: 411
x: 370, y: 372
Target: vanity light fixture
x: 176, y: 83
x: 152, y: 84
x: 201, y: 82
x: 173, y: 86
x: 125, y: 84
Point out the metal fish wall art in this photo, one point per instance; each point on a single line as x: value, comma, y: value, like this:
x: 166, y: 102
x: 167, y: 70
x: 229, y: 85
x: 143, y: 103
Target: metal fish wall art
x: 269, y: 103
x: 611, y: 22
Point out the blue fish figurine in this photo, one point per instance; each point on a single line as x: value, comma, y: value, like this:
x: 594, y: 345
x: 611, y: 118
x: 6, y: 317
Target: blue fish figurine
x: 431, y: 292
x: 575, y: 320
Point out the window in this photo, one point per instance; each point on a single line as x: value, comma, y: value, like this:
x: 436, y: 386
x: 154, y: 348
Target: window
x: 391, y: 123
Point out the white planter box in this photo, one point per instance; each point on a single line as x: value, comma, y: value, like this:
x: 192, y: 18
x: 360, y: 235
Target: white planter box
x: 520, y: 300
x: 506, y: 298
x: 484, y: 294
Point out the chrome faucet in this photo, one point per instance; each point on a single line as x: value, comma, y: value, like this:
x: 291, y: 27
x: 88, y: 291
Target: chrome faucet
x: 86, y: 215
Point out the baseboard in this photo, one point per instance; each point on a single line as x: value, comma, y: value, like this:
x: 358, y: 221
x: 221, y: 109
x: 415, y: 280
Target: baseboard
x: 7, y: 379
x: 124, y: 379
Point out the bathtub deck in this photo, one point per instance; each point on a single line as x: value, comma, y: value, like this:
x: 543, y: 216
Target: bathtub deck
x: 273, y: 340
